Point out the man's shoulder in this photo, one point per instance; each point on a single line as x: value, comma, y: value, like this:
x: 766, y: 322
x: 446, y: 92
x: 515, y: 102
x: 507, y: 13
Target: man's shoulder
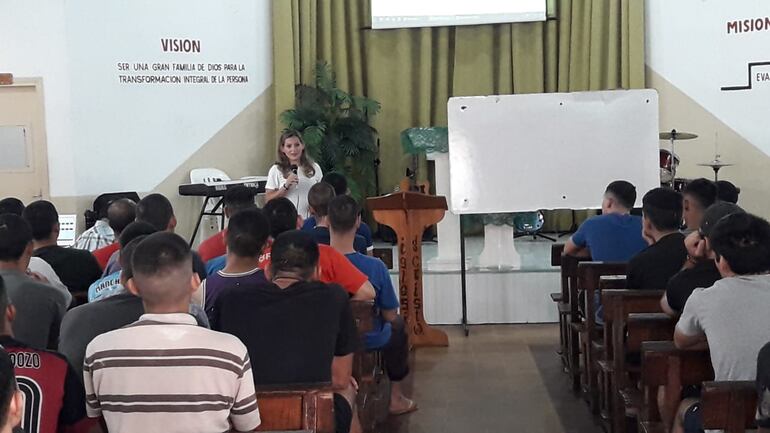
x: 12, y: 345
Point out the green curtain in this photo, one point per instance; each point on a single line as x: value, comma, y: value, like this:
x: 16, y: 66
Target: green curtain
x: 590, y: 45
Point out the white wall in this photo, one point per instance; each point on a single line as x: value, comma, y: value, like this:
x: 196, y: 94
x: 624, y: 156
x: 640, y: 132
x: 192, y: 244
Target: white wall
x: 107, y: 136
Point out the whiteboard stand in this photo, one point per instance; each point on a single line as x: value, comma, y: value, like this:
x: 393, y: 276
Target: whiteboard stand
x: 463, y: 287
x: 499, y: 248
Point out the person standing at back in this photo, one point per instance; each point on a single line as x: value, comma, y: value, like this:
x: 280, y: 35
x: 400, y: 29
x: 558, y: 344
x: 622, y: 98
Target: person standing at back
x: 293, y: 173
x: 613, y: 236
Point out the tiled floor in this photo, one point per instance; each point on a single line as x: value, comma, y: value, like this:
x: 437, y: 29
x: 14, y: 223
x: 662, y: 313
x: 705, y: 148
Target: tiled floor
x: 500, y: 379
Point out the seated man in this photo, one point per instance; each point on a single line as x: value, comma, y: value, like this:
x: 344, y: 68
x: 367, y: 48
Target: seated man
x: 389, y: 332
x: 727, y: 191
x: 698, y: 196
x: 763, y: 389
x: 224, y: 401
x: 120, y: 213
x: 76, y: 268
x: 319, y: 197
x: 729, y: 317
x: 699, y: 270
x: 247, y: 232
x: 98, y: 236
x: 333, y: 266
x: 11, y: 399
x: 54, y: 397
x: 614, y: 236
x: 317, y: 335
x: 340, y: 185
x: 661, y: 217
x: 40, y: 306
x: 236, y: 199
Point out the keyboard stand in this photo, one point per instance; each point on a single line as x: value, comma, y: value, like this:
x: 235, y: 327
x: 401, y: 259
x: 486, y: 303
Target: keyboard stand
x: 218, y: 210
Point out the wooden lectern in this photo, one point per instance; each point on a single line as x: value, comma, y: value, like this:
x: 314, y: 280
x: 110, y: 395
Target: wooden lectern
x: 409, y: 214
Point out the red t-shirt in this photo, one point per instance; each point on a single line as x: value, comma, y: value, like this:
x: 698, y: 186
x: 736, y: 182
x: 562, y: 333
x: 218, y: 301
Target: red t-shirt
x: 103, y: 254
x: 335, y: 268
x: 213, y: 247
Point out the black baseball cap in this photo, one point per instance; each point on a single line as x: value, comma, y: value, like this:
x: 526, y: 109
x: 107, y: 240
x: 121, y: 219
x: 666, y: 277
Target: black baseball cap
x: 716, y: 212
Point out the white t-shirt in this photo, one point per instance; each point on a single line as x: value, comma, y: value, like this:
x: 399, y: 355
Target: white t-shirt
x: 298, y: 193
x: 733, y: 315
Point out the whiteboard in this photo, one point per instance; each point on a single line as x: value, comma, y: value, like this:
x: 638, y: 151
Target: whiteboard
x: 518, y: 153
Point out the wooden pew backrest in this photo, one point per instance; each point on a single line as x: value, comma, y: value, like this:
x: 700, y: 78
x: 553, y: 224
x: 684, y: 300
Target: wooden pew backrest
x: 296, y: 408
x: 729, y: 405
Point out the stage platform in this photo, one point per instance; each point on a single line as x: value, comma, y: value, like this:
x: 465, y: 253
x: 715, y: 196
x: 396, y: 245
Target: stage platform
x: 494, y: 295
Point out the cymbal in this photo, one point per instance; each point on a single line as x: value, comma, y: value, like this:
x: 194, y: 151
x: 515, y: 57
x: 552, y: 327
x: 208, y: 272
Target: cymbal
x: 715, y: 164
x: 676, y: 135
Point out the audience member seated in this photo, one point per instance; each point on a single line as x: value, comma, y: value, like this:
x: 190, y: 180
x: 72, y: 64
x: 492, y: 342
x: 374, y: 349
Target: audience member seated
x: 40, y: 306
x: 76, y: 268
x: 11, y: 399
x: 247, y: 232
x: 98, y: 236
x: 729, y: 317
x: 236, y: 199
x: 111, y: 284
x: 11, y: 205
x: 319, y: 197
x: 317, y: 335
x: 727, y: 191
x: 614, y: 236
x: 661, y: 218
x: 389, y: 331
x: 224, y: 401
x: 699, y: 270
x: 340, y: 185
x: 120, y: 214
x: 698, y: 196
x: 763, y: 389
x: 333, y: 266
x: 54, y: 394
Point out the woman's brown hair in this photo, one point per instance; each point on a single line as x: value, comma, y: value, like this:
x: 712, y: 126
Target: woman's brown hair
x: 283, y: 161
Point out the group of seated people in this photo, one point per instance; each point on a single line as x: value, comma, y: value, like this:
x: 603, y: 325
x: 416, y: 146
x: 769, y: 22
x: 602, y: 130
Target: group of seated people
x: 169, y: 339
x: 713, y: 261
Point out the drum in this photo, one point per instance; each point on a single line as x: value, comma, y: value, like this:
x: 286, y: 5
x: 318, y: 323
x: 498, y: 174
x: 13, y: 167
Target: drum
x: 667, y: 165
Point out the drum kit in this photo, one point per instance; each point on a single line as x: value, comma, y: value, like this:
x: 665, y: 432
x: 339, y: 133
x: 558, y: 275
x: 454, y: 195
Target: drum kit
x: 669, y: 160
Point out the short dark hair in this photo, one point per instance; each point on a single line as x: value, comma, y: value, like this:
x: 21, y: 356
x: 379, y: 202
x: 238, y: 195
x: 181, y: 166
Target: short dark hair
x: 247, y: 232
x: 8, y: 385
x: 624, y: 192
x: 155, y: 209
x: 319, y: 197
x: 42, y: 217
x: 160, y: 252
x: 663, y: 208
x: 343, y: 213
x: 337, y: 181
x: 121, y: 213
x: 11, y: 205
x: 15, y: 235
x: 134, y: 230
x: 282, y: 215
x: 294, y: 251
x: 239, y: 197
x: 127, y: 255
x: 744, y: 241
x: 727, y: 191
x: 703, y: 191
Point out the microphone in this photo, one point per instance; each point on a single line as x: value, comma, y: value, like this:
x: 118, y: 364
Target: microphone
x: 294, y: 168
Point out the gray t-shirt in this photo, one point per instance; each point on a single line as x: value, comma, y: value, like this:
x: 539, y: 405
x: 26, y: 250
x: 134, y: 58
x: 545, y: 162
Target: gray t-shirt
x: 733, y: 315
x: 39, y: 309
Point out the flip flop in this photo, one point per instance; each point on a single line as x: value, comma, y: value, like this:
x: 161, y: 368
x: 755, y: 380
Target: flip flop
x: 409, y: 409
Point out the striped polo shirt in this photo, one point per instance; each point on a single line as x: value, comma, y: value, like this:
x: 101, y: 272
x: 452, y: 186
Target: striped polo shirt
x: 163, y: 373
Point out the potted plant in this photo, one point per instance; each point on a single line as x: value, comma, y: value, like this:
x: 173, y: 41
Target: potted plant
x: 335, y: 127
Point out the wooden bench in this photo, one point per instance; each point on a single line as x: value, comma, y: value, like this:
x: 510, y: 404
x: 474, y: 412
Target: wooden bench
x: 308, y: 407
x: 568, y: 306
x: 560, y: 298
x: 368, y: 370
x: 730, y: 406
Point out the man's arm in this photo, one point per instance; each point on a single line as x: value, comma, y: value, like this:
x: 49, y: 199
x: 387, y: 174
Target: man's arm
x: 342, y: 371
x: 571, y: 249
x: 666, y: 307
x: 689, y: 333
x: 689, y: 342
x: 365, y: 293
x: 244, y: 414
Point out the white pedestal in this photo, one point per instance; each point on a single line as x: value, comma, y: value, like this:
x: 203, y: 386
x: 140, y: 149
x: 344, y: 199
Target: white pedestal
x: 448, y: 229
x: 499, y: 249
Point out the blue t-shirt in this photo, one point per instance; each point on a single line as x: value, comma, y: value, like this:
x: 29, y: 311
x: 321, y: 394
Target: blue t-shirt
x: 611, y: 237
x: 215, y: 265
x: 105, y: 287
x: 363, y: 230
x: 385, y: 299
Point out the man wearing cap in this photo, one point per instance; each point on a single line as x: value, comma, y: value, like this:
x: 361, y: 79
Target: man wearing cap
x: 699, y: 270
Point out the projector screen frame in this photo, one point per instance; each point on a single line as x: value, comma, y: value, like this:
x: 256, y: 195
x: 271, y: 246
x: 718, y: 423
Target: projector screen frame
x: 381, y: 21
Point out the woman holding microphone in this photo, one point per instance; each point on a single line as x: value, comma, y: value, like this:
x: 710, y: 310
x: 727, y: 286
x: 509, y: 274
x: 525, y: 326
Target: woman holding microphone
x: 293, y: 173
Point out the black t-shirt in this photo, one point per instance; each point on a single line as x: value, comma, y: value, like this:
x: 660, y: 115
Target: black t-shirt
x: 77, y: 269
x: 655, y: 265
x: 323, y: 236
x: 704, y: 274
x: 291, y: 334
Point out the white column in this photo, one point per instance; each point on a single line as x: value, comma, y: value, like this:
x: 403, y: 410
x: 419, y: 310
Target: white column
x: 448, y: 229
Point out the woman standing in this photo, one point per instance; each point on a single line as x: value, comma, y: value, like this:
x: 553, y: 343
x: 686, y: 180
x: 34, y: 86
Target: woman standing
x: 293, y: 174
